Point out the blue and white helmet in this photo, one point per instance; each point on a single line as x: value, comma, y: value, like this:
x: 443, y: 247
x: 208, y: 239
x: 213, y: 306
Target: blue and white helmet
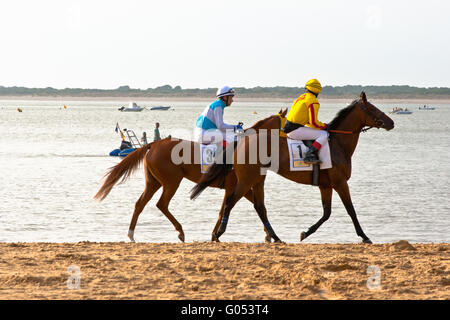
x: 225, y: 91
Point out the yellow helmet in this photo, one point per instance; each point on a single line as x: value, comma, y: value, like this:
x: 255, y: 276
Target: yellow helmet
x: 314, y: 85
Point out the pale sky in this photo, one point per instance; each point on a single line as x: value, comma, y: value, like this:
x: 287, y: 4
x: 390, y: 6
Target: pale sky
x: 200, y: 44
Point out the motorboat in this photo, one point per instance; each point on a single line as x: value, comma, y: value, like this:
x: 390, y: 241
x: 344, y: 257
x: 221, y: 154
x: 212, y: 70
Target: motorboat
x: 426, y: 108
x: 160, y: 108
x: 404, y: 112
x: 132, y: 107
x: 400, y: 111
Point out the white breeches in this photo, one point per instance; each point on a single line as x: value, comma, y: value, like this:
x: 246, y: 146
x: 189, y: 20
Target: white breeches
x: 306, y: 133
x: 213, y: 136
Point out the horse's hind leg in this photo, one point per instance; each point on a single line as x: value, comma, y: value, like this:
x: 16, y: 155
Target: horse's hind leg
x: 344, y: 192
x: 151, y: 186
x: 163, y: 205
x: 326, y: 193
x: 249, y: 196
x: 258, y: 203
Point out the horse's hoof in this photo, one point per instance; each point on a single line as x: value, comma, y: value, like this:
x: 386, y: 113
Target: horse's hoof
x: 268, y: 239
x: 278, y: 241
x: 367, y: 241
x: 131, y: 235
x: 214, y: 238
x: 181, y: 237
x: 303, y: 236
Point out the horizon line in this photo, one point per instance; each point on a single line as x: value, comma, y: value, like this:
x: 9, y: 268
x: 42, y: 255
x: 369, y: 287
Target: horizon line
x: 209, y: 88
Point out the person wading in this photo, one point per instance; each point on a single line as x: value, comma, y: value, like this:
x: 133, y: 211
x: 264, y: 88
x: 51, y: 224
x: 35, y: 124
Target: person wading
x: 156, y: 135
x: 303, y: 124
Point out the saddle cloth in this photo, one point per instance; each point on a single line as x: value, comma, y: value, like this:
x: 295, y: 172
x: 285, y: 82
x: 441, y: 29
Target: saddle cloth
x: 297, y: 151
x: 207, y: 155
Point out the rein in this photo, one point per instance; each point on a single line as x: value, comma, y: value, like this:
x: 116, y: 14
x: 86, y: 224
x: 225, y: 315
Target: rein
x: 364, y: 108
x: 350, y: 132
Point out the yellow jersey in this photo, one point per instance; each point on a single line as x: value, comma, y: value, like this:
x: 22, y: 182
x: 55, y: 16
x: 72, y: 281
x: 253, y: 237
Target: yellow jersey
x: 304, y: 111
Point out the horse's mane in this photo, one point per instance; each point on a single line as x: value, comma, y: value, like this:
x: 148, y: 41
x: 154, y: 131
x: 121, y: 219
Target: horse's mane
x: 341, y: 115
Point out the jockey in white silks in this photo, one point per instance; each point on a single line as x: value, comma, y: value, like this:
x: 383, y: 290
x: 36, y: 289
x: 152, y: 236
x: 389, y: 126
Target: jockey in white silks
x: 210, y: 127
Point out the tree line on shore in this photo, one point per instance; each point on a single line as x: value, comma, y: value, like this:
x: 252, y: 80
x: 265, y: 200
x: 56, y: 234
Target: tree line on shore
x: 348, y: 91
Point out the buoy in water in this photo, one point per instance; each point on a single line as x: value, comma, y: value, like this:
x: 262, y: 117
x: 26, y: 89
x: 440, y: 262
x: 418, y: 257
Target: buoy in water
x: 254, y: 112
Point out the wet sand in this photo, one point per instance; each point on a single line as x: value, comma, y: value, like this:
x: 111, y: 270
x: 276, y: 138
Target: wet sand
x: 202, y: 270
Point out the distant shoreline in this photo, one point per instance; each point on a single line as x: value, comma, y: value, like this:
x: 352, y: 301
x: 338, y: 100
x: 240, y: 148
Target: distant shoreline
x: 424, y: 100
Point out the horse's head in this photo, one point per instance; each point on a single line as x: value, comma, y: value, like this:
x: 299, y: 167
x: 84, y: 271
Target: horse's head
x: 272, y: 122
x: 372, y: 116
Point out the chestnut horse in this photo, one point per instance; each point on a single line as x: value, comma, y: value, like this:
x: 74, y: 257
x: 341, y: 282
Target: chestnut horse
x: 160, y: 170
x: 344, y: 134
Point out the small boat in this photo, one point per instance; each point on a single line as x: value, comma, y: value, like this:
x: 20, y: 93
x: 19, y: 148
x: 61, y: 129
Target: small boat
x: 426, y: 108
x: 133, y: 107
x: 160, y: 108
x: 404, y: 112
x: 400, y: 111
x: 127, y: 147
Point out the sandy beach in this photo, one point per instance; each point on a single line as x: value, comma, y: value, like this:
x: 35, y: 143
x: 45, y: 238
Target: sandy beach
x: 203, y: 270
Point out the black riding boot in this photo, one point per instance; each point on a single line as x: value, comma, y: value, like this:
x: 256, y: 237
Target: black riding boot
x: 311, y: 156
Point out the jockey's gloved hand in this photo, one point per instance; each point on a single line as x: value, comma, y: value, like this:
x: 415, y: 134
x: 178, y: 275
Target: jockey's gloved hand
x: 239, y: 127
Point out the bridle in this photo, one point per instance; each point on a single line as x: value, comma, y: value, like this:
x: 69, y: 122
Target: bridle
x: 378, y: 122
x: 367, y: 112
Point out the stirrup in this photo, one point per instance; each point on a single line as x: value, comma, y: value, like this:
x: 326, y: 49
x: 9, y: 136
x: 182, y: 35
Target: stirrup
x: 312, y: 161
x: 311, y: 158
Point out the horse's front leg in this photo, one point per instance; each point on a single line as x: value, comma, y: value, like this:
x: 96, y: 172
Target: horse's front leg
x: 219, y: 219
x: 326, y: 193
x: 228, y: 192
x: 344, y: 193
x: 230, y: 202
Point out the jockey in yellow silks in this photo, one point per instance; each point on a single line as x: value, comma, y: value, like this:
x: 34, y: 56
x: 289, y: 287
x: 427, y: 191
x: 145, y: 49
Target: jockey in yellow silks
x: 302, y: 122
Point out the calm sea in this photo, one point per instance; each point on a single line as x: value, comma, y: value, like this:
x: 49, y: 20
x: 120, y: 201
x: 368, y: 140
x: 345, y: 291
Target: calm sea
x: 53, y: 159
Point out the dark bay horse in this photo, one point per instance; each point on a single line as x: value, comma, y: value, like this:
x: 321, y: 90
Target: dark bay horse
x: 345, y: 129
x: 160, y: 170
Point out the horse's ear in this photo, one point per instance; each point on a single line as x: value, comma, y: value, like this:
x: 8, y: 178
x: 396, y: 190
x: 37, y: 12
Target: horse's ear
x: 363, y: 97
x: 281, y: 111
x: 284, y: 112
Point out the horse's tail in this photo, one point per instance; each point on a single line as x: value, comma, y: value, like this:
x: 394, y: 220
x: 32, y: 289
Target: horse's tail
x: 123, y: 170
x: 215, y: 172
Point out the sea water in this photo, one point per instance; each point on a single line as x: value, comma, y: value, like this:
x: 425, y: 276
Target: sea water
x: 53, y: 159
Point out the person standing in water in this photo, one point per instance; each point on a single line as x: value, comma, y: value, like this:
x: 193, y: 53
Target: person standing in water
x: 144, y: 138
x: 157, y: 136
